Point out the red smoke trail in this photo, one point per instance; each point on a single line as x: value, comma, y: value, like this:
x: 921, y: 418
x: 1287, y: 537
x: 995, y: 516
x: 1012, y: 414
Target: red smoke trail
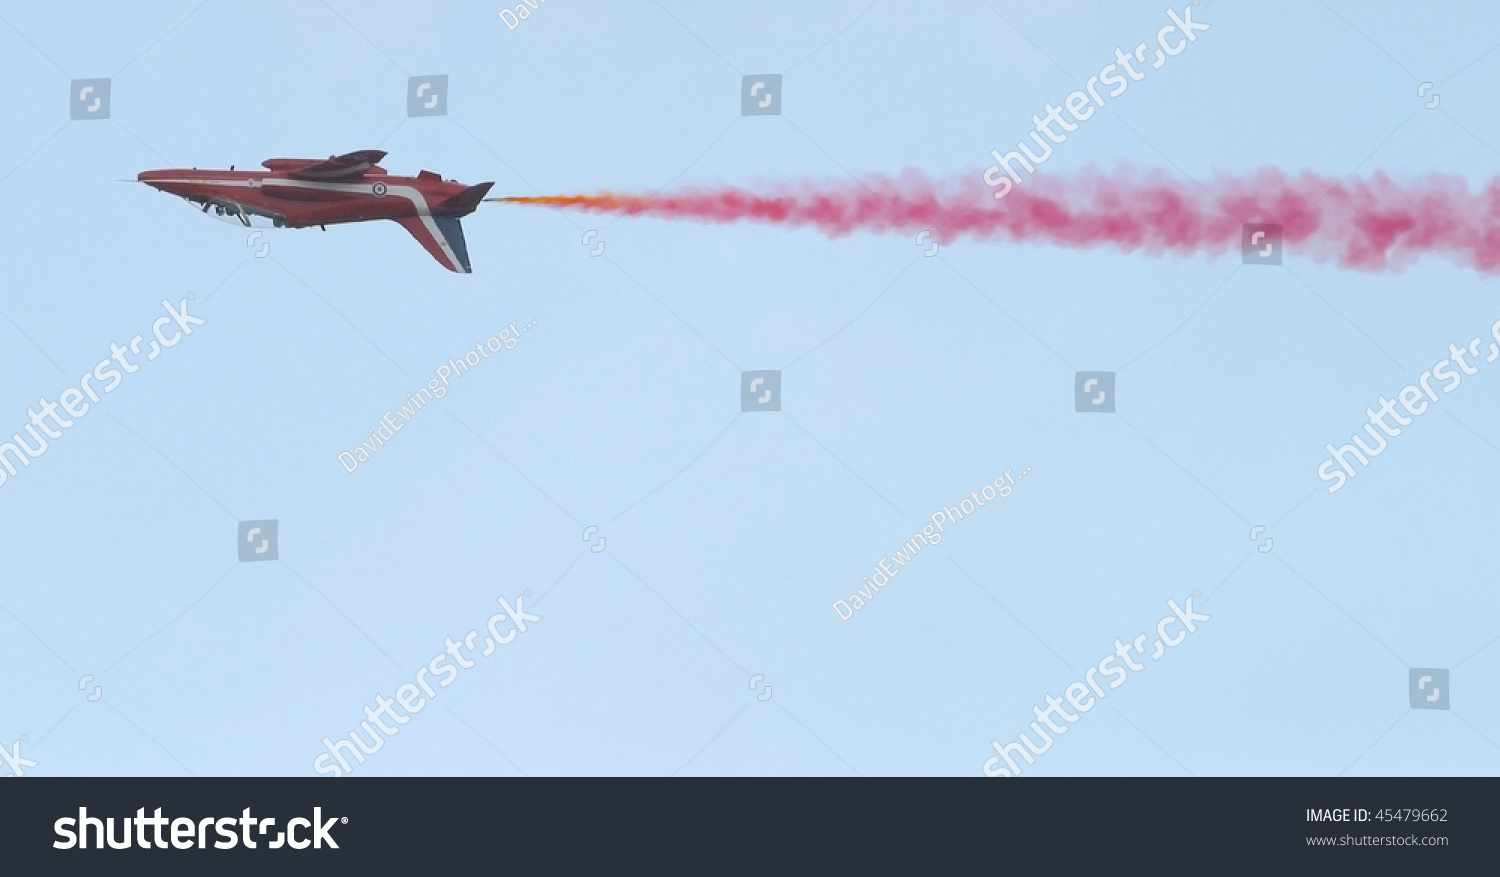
x: 1369, y: 224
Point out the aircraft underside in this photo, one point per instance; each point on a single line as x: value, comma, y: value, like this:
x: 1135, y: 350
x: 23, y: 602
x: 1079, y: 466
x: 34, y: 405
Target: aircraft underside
x: 302, y: 193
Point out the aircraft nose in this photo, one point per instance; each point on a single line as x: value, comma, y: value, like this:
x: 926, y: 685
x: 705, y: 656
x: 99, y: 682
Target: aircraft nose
x: 161, y: 180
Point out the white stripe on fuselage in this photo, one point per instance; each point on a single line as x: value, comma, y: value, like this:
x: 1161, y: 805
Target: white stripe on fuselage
x: 408, y: 192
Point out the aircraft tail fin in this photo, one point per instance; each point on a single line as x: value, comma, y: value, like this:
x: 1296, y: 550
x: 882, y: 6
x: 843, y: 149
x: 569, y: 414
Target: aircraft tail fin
x: 465, y: 202
x: 443, y: 238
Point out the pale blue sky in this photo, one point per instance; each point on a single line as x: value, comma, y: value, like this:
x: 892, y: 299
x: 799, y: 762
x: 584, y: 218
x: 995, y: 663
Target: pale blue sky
x: 730, y: 534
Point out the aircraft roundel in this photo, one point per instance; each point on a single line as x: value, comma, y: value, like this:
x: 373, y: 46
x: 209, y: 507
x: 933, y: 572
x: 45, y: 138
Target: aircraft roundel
x: 379, y: 190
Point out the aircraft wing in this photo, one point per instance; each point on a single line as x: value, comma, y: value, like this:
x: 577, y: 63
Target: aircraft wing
x: 339, y: 168
x: 443, y: 237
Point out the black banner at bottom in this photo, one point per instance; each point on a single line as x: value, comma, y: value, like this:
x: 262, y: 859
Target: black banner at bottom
x: 707, y: 826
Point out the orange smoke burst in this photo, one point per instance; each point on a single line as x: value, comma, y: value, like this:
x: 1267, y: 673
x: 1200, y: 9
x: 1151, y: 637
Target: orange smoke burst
x: 606, y: 201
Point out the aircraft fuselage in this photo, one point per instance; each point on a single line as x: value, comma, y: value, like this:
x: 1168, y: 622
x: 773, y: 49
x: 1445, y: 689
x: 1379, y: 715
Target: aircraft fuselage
x: 300, y: 193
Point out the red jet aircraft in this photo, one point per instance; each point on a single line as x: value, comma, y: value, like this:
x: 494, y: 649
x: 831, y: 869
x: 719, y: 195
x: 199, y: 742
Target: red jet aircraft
x: 303, y: 192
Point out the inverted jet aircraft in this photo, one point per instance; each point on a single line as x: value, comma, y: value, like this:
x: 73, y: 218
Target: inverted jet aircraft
x: 303, y: 192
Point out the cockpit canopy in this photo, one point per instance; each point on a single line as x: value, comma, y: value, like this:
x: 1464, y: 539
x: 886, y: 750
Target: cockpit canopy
x: 336, y: 168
